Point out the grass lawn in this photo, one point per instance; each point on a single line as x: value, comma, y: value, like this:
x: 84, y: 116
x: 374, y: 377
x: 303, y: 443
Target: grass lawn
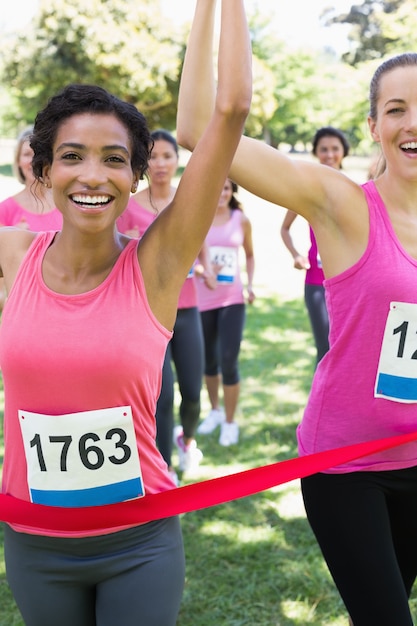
x: 254, y: 561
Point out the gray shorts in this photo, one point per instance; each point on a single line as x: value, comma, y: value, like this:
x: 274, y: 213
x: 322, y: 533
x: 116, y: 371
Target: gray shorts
x: 134, y: 577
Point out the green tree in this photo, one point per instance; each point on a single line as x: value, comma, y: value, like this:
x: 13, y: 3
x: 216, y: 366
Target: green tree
x: 283, y: 82
x: 265, y: 48
x: 138, y: 55
x: 132, y: 52
x: 400, y: 29
x: 371, y: 35
x: 298, y: 90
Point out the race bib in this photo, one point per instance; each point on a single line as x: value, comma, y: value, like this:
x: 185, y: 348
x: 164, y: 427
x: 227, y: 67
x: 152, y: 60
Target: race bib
x: 227, y: 259
x: 397, y: 370
x: 81, y: 459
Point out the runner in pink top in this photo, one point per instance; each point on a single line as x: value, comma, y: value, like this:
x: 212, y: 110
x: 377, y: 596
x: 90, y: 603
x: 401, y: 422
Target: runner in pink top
x: 364, y: 515
x: 186, y: 347
x: 382, y: 397
x: 13, y: 214
x: 223, y: 312
x: 103, y: 376
x: 26, y: 209
x: 82, y: 341
x: 330, y: 146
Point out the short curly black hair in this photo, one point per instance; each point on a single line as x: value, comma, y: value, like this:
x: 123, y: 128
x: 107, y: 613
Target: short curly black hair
x: 75, y: 99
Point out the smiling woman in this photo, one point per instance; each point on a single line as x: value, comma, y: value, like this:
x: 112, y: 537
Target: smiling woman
x: 89, y: 178
x: 364, y: 512
x: 82, y: 372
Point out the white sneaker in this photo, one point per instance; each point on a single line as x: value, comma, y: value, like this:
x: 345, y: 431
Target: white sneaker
x: 189, y: 456
x: 213, y: 419
x: 229, y: 434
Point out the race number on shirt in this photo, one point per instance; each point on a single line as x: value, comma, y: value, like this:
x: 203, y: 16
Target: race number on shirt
x: 397, y: 371
x: 81, y: 459
x: 227, y: 259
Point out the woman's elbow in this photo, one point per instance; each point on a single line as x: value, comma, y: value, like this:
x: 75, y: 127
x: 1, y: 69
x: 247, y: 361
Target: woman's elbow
x: 185, y: 137
x: 190, y: 128
x: 236, y: 111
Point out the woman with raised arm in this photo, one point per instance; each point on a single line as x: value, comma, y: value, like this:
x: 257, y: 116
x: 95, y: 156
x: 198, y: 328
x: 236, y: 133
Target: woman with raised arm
x: 82, y: 370
x: 363, y: 513
x: 330, y: 147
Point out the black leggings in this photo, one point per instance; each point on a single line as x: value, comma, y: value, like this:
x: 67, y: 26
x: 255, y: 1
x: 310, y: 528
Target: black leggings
x: 186, y: 350
x: 314, y: 296
x: 223, y: 330
x: 366, y: 526
x: 134, y: 577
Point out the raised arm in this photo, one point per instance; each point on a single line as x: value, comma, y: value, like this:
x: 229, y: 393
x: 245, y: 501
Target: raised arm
x: 261, y: 169
x: 177, y: 236
x: 196, y: 96
x: 201, y: 184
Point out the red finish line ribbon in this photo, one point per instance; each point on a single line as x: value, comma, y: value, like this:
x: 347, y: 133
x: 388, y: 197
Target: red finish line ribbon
x: 191, y: 497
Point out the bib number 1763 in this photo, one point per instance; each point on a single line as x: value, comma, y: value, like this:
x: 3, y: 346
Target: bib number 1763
x: 90, y: 453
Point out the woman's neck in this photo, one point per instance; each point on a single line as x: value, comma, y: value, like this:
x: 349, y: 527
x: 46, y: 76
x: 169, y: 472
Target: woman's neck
x: 223, y: 214
x: 35, y: 198
x: 76, y: 263
x: 156, y: 198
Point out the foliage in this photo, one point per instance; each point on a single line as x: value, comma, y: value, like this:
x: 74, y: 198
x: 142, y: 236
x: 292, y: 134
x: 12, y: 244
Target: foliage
x: 133, y: 53
x: 296, y: 91
x: 401, y: 31
x: 138, y: 56
x: 378, y: 28
x: 298, y: 94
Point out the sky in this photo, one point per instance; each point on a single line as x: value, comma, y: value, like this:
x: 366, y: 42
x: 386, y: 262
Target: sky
x: 286, y: 20
x: 295, y: 21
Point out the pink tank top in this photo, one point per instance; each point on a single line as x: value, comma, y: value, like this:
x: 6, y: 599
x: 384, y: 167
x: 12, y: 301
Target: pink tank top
x: 365, y: 387
x: 136, y: 216
x: 224, y: 244
x: 314, y: 275
x: 68, y: 354
x: 12, y: 214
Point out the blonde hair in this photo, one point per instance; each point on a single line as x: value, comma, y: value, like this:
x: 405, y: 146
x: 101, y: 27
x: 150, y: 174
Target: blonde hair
x: 24, y: 136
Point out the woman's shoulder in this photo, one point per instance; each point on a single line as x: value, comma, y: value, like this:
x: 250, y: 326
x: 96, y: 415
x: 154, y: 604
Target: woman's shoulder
x: 239, y: 217
x: 243, y: 217
x: 15, y: 241
x: 17, y: 235
x: 11, y: 202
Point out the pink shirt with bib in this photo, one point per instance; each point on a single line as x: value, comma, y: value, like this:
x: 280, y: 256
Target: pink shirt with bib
x: 81, y: 375
x: 224, y: 243
x: 365, y: 387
